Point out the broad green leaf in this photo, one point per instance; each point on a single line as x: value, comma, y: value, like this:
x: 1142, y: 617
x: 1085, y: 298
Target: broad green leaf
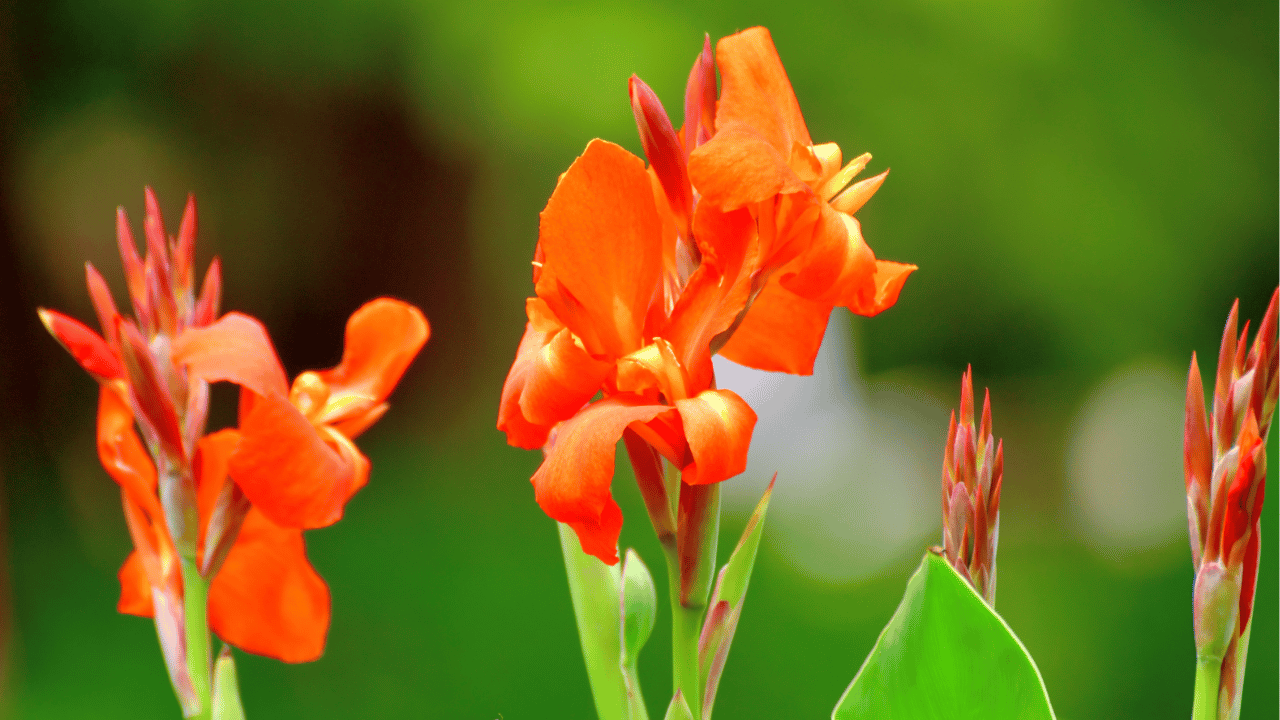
x: 226, y: 688
x: 945, y: 654
x: 726, y: 603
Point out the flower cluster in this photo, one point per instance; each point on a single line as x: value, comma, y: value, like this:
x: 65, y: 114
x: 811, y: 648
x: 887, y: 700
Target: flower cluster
x: 972, y: 470
x: 1226, y: 474
x: 227, y: 508
x: 738, y: 238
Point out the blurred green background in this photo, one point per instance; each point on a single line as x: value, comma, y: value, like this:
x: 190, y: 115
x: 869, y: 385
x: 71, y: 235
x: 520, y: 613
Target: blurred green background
x: 1085, y: 186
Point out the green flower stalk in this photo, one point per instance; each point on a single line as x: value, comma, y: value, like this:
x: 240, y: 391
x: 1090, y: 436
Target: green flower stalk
x: 972, y: 468
x: 1225, y: 477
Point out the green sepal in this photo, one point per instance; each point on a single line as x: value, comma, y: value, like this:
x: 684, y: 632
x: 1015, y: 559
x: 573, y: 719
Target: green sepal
x: 226, y: 688
x: 725, y: 607
x: 945, y: 653
x: 678, y: 709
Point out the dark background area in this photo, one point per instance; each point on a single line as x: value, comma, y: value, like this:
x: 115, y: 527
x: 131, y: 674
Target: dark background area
x: 1085, y: 185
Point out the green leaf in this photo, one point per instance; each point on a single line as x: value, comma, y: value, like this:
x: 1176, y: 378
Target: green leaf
x: 945, y: 654
x: 726, y: 603
x: 595, y: 588
x: 226, y: 688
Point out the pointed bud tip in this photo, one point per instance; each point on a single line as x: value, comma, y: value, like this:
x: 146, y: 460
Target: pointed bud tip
x: 46, y: 317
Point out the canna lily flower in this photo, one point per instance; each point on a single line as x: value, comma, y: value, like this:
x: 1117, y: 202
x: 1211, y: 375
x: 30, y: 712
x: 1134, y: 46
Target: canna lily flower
x: 811, y: 255
x: 600, y: 323
x: 972, y: 470
x: 226, y: 509
x: 642, y: 274
x: 1226, y: 478
x: 295, y: 459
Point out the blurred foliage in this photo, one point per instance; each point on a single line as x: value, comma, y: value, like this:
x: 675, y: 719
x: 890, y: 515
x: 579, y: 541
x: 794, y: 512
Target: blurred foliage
x: 1082, y: 183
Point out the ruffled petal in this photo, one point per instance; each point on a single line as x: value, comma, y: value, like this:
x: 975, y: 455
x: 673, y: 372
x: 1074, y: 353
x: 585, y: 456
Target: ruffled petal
x: 717, y: 425
x: 561, y: 379
x: 780, y: 333
x: 236, y: 349
x: 86, y: 346
x: 834, y: 255
x: 755, y: 91
x: 882, y: 292
x: 286, y: 468
x: 267, y: 598
x: 122, y: 453
x: 601, y: 238
x: 738, y: 166
x: 135, y: 591
x: 572, y: 485
x: 382, y: 338
x: 716, y: 292
x: 511, y: 420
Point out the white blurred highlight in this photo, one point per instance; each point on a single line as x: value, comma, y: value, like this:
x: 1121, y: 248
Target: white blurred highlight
x: 858, y: 468
x: 1124, y: 462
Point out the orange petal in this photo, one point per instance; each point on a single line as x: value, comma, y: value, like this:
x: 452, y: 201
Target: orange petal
x: 236, y: 349
x: 213, y: 460
x: 86, y: 346
x: 572, y: 485
x: 561, y: 379
x: 286, y: 468
x: 781, y: 332
x: 754, y: 90
x: 882, y: 292
x: 835, y: 259
x: 738, y: 166
x: 511, y: 420
x: 135, y: 591
x: 716, y: 292
x: 267, y: 599
x: 382, y: 338
x: 718, y: 425
x: 602, y: 240
x: 122, y: 453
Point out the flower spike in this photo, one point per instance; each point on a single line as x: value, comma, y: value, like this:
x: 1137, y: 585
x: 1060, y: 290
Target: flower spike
x: 1225, y: 468
x: 972, y: 470
x: 219, y: 517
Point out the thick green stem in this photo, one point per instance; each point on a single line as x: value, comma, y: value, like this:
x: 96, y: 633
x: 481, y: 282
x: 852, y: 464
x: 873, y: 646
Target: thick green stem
x: 1208, y: 676
x: 195, y: 599
x: 686, y: 627
x: 690, y: 566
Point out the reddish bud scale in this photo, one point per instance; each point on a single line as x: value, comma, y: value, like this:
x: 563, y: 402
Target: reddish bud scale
x: 972, y: 469
x: 1225, y: 466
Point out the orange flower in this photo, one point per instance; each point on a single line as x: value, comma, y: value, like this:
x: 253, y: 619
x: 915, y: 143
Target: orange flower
x: 738, y: 238
x: 234, y: 502
x: 295, y: 459
x: 810, y: 252
x: 601, y: 323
